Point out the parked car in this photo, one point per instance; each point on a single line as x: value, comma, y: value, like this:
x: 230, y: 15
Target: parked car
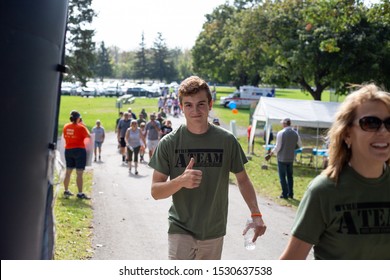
x: 89, y: 91
x: 112, y: 91
x: 69, y: 89
x: 141, y: 92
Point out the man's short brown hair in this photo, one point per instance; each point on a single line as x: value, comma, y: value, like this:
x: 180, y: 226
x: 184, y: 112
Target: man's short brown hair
x: 192, y: 85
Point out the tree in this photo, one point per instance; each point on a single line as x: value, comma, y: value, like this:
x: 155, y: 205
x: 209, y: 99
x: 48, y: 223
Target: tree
x: 162, y: 67
x: 321, y: 44
x: 123, y: 69
x: 141, y: 61
x: 79, y: 44
x: 103, y: 63
x: 208, y: 53
x: 184, y: 64
x: 310, y: 43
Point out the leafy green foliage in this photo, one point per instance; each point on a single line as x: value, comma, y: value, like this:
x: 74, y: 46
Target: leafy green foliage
x: 312, y: 44
x: 209, y: 59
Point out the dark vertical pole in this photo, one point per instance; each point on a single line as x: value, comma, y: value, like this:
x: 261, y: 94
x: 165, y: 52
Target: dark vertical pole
x: 31, y: 50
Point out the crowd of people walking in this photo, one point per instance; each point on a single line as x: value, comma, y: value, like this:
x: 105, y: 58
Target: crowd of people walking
x: 138, y: 135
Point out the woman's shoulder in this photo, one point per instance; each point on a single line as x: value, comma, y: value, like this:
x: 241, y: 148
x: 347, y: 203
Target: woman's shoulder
x: 321, y: 183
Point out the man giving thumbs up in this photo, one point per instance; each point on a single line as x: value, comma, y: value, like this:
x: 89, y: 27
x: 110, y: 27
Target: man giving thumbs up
x: 197, y: 158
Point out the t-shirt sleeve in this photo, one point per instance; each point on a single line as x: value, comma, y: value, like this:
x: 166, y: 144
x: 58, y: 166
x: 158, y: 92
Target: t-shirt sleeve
x: 159, y: 160
x: 309, y: 221
x: 238, y: 157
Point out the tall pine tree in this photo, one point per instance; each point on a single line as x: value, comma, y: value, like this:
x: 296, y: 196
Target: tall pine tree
x: 162, y: 64
x: 103, y: 63
x: 79, y: 44
x: 141, y: 61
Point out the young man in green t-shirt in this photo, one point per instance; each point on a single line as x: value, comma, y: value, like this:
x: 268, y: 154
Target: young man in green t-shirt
x: 197, y: 158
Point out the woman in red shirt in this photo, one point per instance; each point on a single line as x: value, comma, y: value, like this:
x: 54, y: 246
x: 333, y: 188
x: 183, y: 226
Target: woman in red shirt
x: 75, y: 153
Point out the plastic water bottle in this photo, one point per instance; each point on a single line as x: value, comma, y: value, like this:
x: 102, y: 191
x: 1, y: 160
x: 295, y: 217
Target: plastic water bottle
x: 249, y: 245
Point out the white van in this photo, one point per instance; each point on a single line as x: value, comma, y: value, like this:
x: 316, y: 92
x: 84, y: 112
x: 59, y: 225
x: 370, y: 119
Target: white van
x: 246, y: 96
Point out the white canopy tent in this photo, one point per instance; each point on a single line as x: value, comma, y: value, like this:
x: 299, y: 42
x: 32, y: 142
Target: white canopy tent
x: 307, y: 113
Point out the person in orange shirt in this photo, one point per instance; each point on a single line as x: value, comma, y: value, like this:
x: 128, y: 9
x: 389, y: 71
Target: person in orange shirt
x: 75, y: 153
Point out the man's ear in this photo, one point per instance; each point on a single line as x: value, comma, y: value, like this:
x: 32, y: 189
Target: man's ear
x: 210, y: 105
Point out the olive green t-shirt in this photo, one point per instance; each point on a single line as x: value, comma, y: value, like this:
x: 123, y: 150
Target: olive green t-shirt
x: 350, y: 220
x: 201, y: 212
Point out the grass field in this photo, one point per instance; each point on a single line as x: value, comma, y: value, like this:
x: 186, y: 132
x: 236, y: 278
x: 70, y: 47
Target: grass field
x: 74, y: 218
x: 102, y: 108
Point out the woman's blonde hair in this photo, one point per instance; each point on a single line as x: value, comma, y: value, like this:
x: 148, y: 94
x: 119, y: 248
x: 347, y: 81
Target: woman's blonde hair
x: 339, y: 153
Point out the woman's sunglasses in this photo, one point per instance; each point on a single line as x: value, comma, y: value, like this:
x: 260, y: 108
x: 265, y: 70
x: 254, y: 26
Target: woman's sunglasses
x: 373, y: 124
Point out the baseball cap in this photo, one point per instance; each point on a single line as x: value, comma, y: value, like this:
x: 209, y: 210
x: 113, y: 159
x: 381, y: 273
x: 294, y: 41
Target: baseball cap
x: 286, y: 120
x: 74, y: 114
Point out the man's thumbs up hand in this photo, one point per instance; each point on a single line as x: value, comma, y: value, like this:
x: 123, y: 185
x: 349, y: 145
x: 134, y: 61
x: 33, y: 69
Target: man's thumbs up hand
x: 191, y: 177
x: 191, y: 163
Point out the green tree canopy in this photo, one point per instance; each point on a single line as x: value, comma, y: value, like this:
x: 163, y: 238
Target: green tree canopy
x: 310, y: 43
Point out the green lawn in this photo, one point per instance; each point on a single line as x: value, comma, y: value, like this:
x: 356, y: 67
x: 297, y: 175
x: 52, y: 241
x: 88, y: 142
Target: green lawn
x: 102, y: 108
x: 73, y: 218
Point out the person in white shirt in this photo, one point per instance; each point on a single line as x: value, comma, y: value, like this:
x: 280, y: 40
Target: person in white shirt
x: 287, y: 140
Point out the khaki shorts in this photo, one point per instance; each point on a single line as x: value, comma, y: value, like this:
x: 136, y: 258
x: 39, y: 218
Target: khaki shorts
x: 186, y: 247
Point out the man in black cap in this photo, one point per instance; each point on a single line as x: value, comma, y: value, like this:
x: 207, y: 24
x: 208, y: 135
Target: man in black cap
x: 287, y: 140
x: 74, y: 134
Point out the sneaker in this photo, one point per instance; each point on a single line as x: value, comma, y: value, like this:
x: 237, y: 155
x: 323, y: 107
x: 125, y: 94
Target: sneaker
x: 95, y: 160
x: 82, y: 196
x: 68, y: 193
x: 100, y: 159
x: 136, y: 172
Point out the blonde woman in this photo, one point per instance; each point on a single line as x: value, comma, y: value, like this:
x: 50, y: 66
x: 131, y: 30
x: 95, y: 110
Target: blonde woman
x: 345, y: 211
